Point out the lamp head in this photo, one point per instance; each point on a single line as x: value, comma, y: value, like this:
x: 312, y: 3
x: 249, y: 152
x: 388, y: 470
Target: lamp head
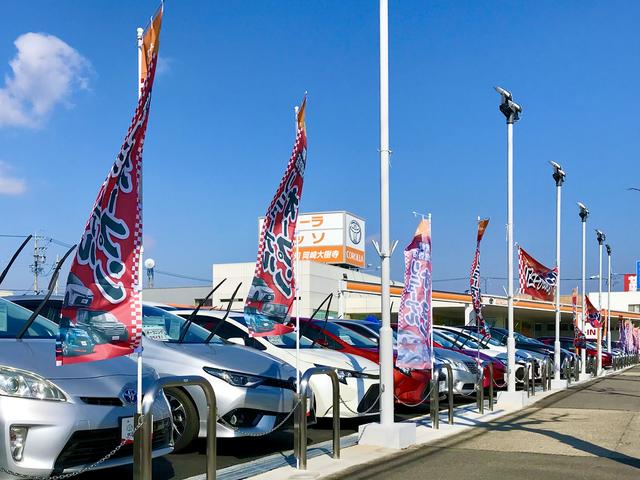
x: 608, y: 247
x: 600, y: 235
x: 558, y: 174
x: 584, y: 211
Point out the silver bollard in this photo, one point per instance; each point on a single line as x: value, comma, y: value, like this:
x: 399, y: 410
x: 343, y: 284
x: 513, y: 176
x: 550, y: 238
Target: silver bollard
x: 544, y: 375
x: 434, y: 400
x: 480, y: 389
x: 300, y: 423
x: 143, y: 470
x: 526, y: 377
x: 533, y: 378
x: 449, y: 391
x: 490, y: 365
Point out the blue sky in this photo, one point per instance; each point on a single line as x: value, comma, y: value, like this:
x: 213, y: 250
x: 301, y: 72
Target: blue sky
x: 221, y: 125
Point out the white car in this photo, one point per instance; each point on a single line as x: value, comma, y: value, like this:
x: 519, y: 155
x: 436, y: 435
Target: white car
x: 359, y: 377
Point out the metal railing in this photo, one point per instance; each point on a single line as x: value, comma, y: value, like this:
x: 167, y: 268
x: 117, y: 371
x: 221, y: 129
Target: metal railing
x: 300, y: 421
x: 142, y: 442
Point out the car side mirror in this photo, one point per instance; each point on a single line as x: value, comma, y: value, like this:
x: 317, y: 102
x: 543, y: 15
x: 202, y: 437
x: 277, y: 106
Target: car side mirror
x: 236, y: 340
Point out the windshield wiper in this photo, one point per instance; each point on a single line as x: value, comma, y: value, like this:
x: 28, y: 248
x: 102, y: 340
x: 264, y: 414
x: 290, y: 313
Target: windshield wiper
x: 326, y: 316
x: 187, y: 324
x: 223, y: 319
x: 50, y: 288
x: 13, y: 259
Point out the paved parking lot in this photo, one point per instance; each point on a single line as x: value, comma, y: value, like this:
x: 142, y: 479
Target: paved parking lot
x: 588, y: 432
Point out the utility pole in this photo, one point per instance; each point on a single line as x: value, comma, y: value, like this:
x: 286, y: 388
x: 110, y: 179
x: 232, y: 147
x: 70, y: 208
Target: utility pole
x: 39, y: 259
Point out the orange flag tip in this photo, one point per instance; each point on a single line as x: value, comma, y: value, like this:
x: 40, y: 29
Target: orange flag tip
x: 424, y: 228
x: 301, y: 110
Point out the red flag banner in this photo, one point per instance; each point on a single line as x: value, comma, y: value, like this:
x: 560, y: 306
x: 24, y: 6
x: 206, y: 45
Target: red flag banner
x: 593, y: 315
x: 102, y: 311
x: 474, y: 280
x: 536, y: 279
x: 415, y: 349
x: 272, y: 291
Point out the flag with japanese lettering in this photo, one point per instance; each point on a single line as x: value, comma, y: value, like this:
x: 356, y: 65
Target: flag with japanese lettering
x: 414, y: 345
x: 629, y: 335
x: 593, y: 315
x: 102, y: 313
x: 578, y: 337
x: 621, y: 337
x: 536, y: 279
x: 474, y: 281
x: 273, y: 289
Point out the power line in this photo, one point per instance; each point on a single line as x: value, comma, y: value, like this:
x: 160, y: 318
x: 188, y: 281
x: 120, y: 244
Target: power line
x: 186, y: 277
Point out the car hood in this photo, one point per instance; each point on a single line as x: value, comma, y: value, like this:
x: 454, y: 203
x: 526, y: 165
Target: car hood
x: 232, y: 357
x: 333, y: 359
x: 38, y: 356
x: 441, y: 353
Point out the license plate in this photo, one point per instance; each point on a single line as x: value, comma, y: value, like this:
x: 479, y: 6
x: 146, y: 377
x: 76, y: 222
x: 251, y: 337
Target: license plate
x: 127, y: 429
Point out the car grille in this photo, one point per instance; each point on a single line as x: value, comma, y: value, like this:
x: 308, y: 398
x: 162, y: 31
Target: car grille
x: 369, y: 402
x: 109, y: 401
x: 472, y: 366
x: 88, y: 446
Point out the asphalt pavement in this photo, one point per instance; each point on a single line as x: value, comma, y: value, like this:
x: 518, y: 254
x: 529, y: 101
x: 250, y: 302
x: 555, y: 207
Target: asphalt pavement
x: 588, y: 432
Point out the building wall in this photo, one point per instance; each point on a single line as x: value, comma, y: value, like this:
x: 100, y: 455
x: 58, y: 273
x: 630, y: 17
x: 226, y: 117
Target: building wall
x: 625, y: 301
x: 176, y: 295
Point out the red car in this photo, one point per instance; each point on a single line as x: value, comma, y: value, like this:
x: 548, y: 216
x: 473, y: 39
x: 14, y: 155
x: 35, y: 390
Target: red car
x: 592, y: 349
x: 410, y: 386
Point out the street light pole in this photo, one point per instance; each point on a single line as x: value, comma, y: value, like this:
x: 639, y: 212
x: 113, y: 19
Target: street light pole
x: 386, y: 339
x: 601, y: 239
x: 584, y: 214
x: 511, y: 111
x: 608, y: 247
x: 386, y: 433
x: 559, y: 176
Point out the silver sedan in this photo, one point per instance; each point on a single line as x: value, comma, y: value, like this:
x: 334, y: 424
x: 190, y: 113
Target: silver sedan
x: 56, y: 420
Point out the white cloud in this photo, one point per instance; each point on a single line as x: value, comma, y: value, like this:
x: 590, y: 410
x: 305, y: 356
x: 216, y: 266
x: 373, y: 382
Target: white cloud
x: 10, y: 185
x: 45, y: 71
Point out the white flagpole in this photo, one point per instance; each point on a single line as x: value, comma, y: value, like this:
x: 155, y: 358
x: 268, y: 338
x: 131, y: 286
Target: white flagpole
x: 297, y: 290
x: 139, y: 84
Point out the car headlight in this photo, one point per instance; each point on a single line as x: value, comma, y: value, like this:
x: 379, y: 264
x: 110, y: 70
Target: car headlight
x: 23, y: 384
x: 236, y: 379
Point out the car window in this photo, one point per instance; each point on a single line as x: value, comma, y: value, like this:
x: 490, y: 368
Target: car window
x: 163, y: 326
x: 13, y: 318
x: 347, y: 335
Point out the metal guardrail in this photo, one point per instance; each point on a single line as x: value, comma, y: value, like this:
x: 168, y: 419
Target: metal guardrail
x: 300, y: 421
x: 142, y: 443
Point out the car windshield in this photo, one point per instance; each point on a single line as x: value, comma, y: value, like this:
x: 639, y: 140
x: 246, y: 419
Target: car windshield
x: 163, y: 326
x: 482, y: 340
x: 443, y: 340
x: 523, y: 338
x: 288, y: 340
x: 345, y: 334
x: 13, y: 318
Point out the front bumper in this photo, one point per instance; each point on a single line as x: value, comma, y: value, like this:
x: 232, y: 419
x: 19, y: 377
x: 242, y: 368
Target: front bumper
x: 60, y: 432
x: 358, y: 398
x: 262, y: 407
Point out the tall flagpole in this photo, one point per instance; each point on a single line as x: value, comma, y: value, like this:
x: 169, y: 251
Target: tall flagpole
x: 608, y: 247
x: 297, y: 290
x: 139, y: 84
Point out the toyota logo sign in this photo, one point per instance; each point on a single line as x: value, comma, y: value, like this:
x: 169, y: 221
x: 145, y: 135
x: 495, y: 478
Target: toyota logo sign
x: 355, y: 232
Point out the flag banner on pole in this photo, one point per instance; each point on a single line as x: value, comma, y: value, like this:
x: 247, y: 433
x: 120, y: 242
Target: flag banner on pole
x: 474, y: 281
x: 629, y: 335
x: 272, y: 291
x: 536, y: 279
x: 578, y: 337
x: 621, y: 340
x: 593, y: 315
x: 414, y: 316
x: 102, y: 311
